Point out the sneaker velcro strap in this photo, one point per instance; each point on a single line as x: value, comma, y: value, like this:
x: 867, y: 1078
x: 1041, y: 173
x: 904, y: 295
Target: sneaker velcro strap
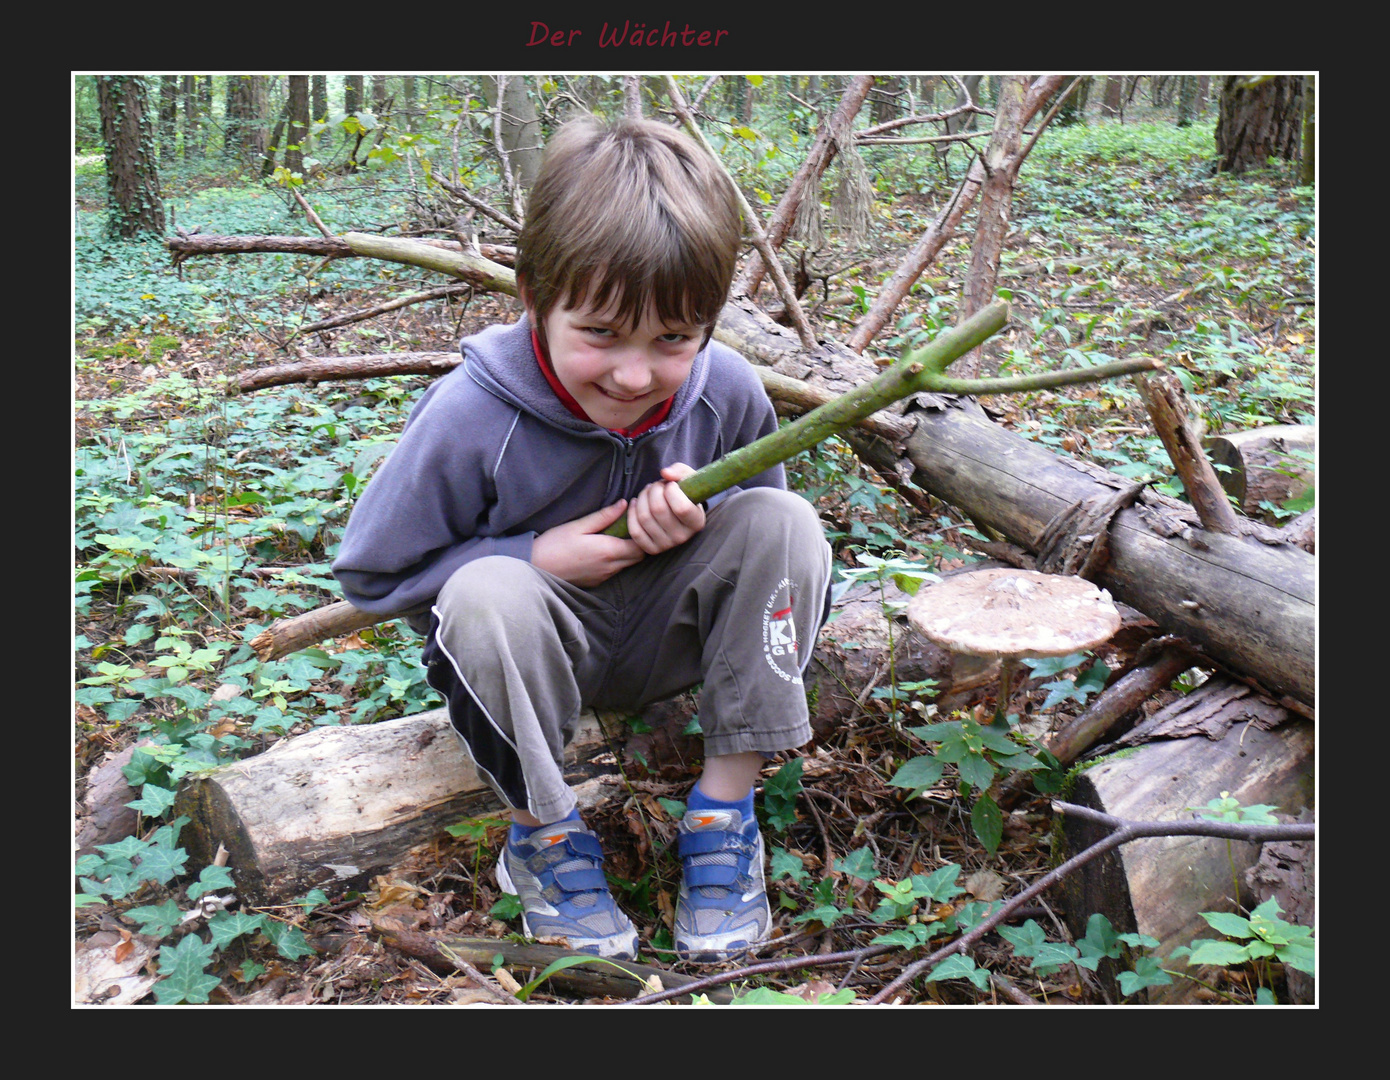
x: 584, y: 843
x: 589, y: 880
x: 702, y: 843
x: 697, y: 877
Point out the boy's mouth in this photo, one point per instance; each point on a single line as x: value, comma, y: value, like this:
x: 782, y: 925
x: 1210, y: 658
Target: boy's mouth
x: 619, y: 397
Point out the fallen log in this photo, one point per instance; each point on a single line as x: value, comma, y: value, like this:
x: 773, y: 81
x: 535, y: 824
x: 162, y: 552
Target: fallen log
x: 336, y: 805
x: 1221, y: 738
x: 184, y: 247
x: 1245, y: 601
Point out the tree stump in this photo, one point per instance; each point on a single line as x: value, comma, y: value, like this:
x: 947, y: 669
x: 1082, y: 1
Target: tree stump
x: 1261, y: 465
x: 1221, y: 738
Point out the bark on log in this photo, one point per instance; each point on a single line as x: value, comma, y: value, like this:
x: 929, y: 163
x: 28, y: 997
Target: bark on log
x: 1245, y: 603
x: 1263, y: 465
x: 336, y: 805
x: 285, y: 636
x: 333, y: 368
x: 1160, y: 886
x: 183, y: 247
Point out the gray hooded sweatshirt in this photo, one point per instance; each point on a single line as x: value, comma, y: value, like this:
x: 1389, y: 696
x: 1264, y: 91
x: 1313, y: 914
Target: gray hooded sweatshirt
x: 490, y: 457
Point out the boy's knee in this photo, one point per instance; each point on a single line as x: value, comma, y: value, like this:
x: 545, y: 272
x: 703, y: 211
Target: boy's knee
x: 493, y: 587
x: 767, y: 509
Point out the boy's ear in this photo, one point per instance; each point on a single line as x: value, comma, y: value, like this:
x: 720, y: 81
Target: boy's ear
x: 524, y: 294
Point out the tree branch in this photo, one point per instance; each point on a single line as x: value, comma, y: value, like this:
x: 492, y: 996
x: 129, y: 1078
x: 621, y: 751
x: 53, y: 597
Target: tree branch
x: 1125, y: 832
x: 784, y: 289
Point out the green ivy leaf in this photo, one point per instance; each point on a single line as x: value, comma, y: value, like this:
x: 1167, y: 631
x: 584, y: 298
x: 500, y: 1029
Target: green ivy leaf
x: 161, y: 864
x: 183, y: 967
x: 858, y: 864
x: 1146, y: 973
x: 940, y: 884
x: 957, y: 966
x: 785, y: 864
x: 289, y: 941
x: 226, y: 927
x: 211, y: 879
x: 158, y: 919
x: 987, y: 822
x: 1220, y: 953
x: 154, y: 800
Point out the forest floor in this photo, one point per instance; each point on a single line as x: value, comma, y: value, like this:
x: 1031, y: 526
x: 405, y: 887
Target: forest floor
x: 1212, y: 274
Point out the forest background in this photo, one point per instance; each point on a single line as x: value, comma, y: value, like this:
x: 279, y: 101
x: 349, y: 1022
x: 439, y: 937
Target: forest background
x: 200, y: 517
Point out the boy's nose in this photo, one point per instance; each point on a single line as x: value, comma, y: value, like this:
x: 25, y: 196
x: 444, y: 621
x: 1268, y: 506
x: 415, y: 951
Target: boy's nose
x: 632, y: 376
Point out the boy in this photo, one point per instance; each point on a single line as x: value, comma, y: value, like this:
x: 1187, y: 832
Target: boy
x: 487, y: 523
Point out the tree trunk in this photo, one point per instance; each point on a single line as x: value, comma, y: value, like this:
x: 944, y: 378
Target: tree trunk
x: 1187, y: 98
x: 318, y: 97
x: 192, y: 122
x: 1306, y: 171
x: 1260, y: 118
x: 521, y: 129
x: 1112, y: 103
x: 168, y: 117
x: 1001, y: 163
x: 132, y: 178
x: 299, y: 123
x: 352, y: 94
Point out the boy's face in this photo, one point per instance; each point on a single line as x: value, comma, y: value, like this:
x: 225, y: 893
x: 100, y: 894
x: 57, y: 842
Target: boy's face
x: 619, y: 374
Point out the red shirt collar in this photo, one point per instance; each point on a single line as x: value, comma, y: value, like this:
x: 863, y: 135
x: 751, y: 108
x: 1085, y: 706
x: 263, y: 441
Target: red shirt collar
x: 567, y: 399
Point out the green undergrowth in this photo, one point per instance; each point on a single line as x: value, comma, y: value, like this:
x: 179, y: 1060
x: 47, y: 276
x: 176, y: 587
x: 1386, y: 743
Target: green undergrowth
x: 201, y: 518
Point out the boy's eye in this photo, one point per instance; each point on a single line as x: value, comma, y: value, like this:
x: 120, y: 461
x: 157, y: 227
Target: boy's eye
x: 600, y: 331
x: 675, y: 339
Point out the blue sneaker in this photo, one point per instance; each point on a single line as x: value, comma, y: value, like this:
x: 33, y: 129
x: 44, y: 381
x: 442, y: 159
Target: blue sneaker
x: 557, y: 874
x: 722, y: 909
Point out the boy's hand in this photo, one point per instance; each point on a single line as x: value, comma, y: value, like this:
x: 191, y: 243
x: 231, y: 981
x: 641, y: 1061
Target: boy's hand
x: 662, y: 515
x: 579, y: 553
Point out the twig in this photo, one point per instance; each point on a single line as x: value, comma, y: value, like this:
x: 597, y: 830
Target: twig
x: 492, y: 989
x: 309, y: 212
x: 1047, y: 119
x: 784, y: 289
x: 1125, y: 832
x: 1009, y: 989
x: 699, y: 97
x: 767, y: 967
x: 380, y: 309
x: 472, y: 200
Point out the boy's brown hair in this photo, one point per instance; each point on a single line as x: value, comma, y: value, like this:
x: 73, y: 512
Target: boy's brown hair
x: 633, y: 211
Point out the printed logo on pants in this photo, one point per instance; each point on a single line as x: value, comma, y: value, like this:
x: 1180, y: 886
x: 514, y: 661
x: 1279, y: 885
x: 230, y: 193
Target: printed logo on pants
x: 779, y: 634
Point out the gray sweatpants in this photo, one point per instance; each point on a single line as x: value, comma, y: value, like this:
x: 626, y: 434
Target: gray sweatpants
x: 519, y: 653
